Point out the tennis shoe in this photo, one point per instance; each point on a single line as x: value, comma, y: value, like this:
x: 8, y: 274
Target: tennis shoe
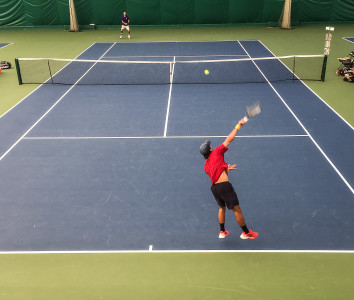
x: 120, y: 36
x: 250, y: 235
x: 128, y: 36
x: 223, y: 234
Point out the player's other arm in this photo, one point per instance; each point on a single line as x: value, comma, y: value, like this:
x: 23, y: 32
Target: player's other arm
x: 233, y: 133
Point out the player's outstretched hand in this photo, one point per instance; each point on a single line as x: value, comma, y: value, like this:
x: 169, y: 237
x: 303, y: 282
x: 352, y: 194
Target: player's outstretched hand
x: 241, y: 122
x: 231, y: 167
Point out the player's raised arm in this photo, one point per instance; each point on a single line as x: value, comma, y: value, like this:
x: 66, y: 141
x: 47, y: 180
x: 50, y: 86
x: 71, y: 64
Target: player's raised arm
x: 233, y: 133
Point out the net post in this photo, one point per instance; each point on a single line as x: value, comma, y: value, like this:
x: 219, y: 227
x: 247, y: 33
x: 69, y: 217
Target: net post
x: 18, y: 70
x: 324, y: 66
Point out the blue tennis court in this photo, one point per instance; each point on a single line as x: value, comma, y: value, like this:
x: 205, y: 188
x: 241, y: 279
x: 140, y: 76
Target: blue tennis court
x: 349, y: 39
x: 117, y: 167
x: 4, y: 44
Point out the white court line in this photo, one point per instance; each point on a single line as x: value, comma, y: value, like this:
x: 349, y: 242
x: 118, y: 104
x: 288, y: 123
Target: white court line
x: 51, y: 107
x: 216, y: 55
x: 344, y: 120
x: 8, y: 44
x: 136, y: 43
x: 172, y: 251
x: 156, y: 137
x: 347, y: 39
x: 304, y: 128
x: 169, y: 98
x: 38, y: 87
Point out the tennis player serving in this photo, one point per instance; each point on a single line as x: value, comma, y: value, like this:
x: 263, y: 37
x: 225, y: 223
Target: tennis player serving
x: 125, y: 24
x: 223, y: 191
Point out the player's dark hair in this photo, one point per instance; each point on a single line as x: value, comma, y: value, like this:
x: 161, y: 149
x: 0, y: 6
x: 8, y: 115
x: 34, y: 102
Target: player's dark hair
x: 206, y: 156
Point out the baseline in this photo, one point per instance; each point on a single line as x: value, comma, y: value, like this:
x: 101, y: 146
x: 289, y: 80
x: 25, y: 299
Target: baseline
x: 176, y: 48
x: 171, y: 251
x: 169, y: 56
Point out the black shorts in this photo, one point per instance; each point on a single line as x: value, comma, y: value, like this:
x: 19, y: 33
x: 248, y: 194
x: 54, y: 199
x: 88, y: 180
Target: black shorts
x: 224, y: 193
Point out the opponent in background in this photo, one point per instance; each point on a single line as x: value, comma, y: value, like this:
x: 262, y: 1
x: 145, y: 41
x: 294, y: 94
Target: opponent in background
x: 125, y: 24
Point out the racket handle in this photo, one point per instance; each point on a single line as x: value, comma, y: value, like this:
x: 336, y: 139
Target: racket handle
x: 239, y: 125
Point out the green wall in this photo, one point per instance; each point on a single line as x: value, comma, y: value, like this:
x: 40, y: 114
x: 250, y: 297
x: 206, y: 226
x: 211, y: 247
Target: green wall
x: 160, y: 12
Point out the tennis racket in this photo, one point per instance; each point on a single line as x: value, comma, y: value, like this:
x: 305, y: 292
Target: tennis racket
x: 252, y: 111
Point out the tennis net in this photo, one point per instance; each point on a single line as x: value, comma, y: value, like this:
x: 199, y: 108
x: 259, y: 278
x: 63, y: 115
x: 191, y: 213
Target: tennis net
x: 175, y: 70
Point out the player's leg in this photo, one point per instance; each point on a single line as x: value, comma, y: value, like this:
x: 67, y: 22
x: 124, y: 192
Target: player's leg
x: 121, y: 31
x: 239, y: 217
x: 232, y: 203
x: 221, y: 214
x: 128, y: 32
x: 247, y: 233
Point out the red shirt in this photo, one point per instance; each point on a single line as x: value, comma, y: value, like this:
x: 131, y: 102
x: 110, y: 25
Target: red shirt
x: 215, y: 164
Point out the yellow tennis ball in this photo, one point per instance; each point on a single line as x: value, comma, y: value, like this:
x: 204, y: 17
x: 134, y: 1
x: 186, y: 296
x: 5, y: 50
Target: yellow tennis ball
x: 206, y: 72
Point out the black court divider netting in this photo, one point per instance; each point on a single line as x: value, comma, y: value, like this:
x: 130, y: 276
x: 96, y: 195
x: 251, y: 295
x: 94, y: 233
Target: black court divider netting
x: 104, y: 72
